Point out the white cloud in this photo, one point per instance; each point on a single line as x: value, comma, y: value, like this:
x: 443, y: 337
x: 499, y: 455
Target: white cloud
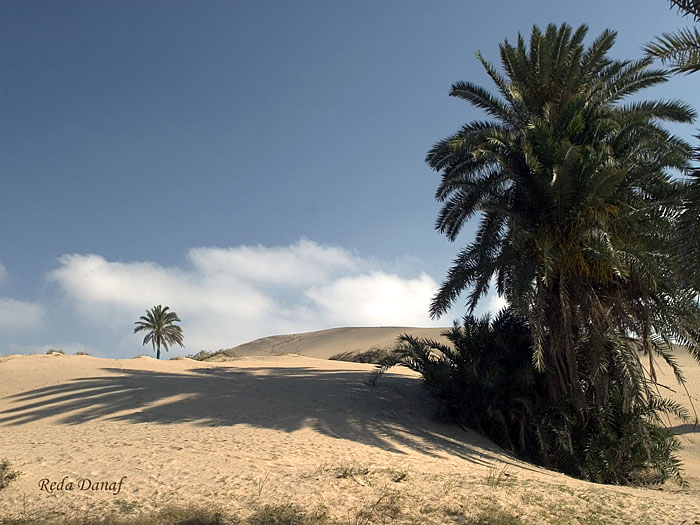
x: 303, y: 263
x: 96, y: 285
x: 232, y: 295
x: 375, y: 299
x: 495, y: 303
x: 19, y: 315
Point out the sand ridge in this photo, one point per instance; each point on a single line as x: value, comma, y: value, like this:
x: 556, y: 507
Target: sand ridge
x: 324, y: 344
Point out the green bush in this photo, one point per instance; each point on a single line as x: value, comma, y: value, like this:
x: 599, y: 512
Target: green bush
x: 375, y: 356
x: 202, y: 355
x: 486, y: 380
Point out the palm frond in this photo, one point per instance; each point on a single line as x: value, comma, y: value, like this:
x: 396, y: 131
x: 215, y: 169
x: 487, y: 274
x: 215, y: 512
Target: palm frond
x: 688, y: 7
x: 679, y: 50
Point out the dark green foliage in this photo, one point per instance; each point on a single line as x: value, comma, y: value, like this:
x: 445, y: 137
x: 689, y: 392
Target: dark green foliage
x: 375, y: 356
x: 688, y: 241
x: 577, y: 217
x: 681, y: 51
x: 160, y: 328
x: 485, y: 380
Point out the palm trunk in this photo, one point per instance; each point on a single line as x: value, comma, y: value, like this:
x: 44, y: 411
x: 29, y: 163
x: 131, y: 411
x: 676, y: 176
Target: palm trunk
x: 158, y: 352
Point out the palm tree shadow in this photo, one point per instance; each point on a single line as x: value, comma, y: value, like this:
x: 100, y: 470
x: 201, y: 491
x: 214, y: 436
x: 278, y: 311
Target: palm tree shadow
x: 395, y: 414
x: 685, y: 428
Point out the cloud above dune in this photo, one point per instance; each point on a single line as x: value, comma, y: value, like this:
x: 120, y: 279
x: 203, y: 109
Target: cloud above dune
x: 300, y: 264
x: 375, y: 297
x: 227, y: 296
x: 19, y: 315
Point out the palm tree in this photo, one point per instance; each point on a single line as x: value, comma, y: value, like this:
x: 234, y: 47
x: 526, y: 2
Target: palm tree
x: 680, y: 50
x: 577, y: 210
x: 158, y: 322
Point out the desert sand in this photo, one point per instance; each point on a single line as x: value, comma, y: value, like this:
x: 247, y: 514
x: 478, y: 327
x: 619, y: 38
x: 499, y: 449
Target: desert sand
x: 284, y: 429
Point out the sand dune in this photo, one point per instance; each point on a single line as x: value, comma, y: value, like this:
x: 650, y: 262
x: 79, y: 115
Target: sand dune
x: 324, y: 344
x: 279, y: 429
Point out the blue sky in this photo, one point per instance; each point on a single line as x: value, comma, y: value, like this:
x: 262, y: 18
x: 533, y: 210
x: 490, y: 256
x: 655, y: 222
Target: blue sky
x: 257, y: 166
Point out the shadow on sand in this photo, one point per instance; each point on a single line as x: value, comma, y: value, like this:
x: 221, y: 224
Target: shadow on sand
x: 337, y: 403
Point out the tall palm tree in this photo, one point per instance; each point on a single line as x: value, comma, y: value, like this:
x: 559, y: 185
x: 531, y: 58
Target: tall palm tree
x: 158, y: 322
x: 680, y: 50
x: 576, y: 209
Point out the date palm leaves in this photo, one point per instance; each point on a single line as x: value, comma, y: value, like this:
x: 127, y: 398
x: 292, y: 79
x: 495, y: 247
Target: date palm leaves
x: 161, y: 330
x: 679, y: 50
x: 567, y: 180
x: 688, y: 7
x: 577, y: 212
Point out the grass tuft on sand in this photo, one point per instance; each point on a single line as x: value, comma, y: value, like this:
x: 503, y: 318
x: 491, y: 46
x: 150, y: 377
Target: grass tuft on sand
x: 385, y: 510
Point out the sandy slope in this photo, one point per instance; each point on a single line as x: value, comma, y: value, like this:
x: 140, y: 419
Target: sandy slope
x: 276, y: 430
x: 326, y: 343
x: 688, y: 434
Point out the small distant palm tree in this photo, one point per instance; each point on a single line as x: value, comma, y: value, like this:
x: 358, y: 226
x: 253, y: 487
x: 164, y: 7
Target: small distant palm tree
x: 158, y: 322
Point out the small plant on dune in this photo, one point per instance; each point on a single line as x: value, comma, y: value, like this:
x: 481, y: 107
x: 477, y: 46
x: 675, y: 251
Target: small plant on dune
x: 497, y: 476
x: 375, y: 356
x: 126, y: 507
x: 174, y: 515
x: 261, y: 482
x: 288, y: 514
x: 399, y: 474
x: 348, y: 470
x: 386, y: 509
x: 54, y: 351
x: 202, y: 355
x: 7, y: 473
x: 493, y: 515
x: 83, y: 353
